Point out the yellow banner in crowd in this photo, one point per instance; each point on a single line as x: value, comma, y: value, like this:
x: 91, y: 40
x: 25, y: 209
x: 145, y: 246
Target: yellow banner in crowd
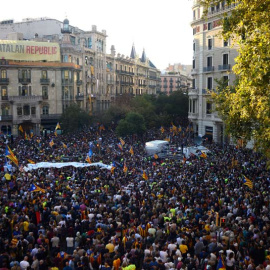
x: 29, y: 51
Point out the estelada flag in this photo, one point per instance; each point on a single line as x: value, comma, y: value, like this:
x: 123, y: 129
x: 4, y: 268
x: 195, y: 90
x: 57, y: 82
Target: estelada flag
x: 131, y: 151
x: 145, y: 176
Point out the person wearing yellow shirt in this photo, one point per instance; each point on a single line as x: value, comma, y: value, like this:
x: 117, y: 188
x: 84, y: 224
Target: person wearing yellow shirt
x: 110, y: 247
x: 184, y: 249
x: 25, y: 226
x: 129, y: 267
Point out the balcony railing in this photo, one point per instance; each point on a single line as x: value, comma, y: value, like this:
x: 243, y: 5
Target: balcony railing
x: 193, y: 91
x: 208, y: 69
x: 79, y: 82
x: 4, y: 80
x: 67, y: 81
x: 194, y: 71
x: 79, y: 97
x: 25, y: 98
x: 44, y: 81
x: 224, y: 67
x: 4, y: 97
x: 24, y: 80
x: 6, y: 117
x: 110, y: 81
x: 50, y: 116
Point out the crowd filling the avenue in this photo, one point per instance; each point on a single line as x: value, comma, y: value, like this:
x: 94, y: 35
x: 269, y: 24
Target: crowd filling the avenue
x: 144, y: 212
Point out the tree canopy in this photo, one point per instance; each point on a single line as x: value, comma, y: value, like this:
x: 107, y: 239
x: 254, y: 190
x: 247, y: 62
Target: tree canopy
x: 245, y: 109
x: 74, y: 118
x: 132, y: 124
x: 156, y: 110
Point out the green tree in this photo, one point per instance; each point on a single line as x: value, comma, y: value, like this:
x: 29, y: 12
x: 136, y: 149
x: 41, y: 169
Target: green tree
x: 132, y: 124
x: 145, y: 105
x: 246, y: 110
x: 74, y: 118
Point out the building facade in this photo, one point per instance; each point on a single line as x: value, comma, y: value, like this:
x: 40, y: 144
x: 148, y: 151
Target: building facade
x: 175, y: 81
x: 36, y: 90
x: 213, y: 59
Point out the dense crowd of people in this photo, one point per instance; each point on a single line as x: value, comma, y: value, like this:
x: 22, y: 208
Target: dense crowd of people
x: 144, y: 213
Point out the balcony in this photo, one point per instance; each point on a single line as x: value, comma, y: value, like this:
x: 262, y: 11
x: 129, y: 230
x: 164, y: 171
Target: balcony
x: 67, y: 81
x: 4, y: 97
x: 80, y: 97
x: 208, y: 69
x: 45, y: 81
x: 224, y: 67
x: 24, y: 80
x: 26, y: 117
x: 152, y: 86
x: 206, y: 91
x: 194, y: 71
x: 4, y: 81
x: 193, y: 91
x: 79, y: 82
x: 25, y: 98
x: 45, y: 97
x: 6, y: 117
x: 153, y: 77
x: 50, y: 116
x: 110, y: 81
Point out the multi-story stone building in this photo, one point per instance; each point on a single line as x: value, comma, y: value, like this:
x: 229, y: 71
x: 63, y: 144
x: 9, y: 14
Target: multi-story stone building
x: 37, y: 85
x: 174, y: 81
x: 213, y: 59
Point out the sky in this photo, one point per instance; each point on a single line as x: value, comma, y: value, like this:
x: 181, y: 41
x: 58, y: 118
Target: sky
x: 160, y: 27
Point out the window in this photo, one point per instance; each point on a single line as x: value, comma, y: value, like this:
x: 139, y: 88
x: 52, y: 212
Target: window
x: 210, y: 44
x: 193, y: 83
x: 208, y: 107
x: 90, y: 42
x: 33, y: 110
x: 72, y: 40
x: 26, y: 110
x: 44, y: 74
x: 190, y: 105
x: 209, y: 83
x: 194, y: 14
x: 3, y: 74
x: 193, y: 105
x: 19, y: 110
x: 45, y: 92
x: 223, y: 4
x: 65, y: 58
x: 5, y: 110
x: 226, y: 80
x: 209, y: 130
x: 225, y: 59
x: 193, y: 63
x: 209, y: 61
x: 45, y: 110
x: 210, y: 26
x: 4, y: 93
x: 225, y: 43
x: 194, y: 46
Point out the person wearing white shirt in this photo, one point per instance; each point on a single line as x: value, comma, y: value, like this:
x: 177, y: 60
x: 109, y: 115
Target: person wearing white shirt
x: 24, y: 264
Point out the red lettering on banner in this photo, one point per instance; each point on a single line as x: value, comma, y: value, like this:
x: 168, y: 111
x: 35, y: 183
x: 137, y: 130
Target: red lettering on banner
x: 27, y: 49
x: 54, y: 50
x: 45, y: 50
x: 32, y: 49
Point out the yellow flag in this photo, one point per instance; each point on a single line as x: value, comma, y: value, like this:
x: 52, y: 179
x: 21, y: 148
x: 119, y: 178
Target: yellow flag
x: 88, y: 159
x: 31, y: 161
x: 131, y: 151
x: 125, y: 168
x: 20, y: 128
x: 145, y: 176
x: 122, y: 141
x: 155, y: 156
